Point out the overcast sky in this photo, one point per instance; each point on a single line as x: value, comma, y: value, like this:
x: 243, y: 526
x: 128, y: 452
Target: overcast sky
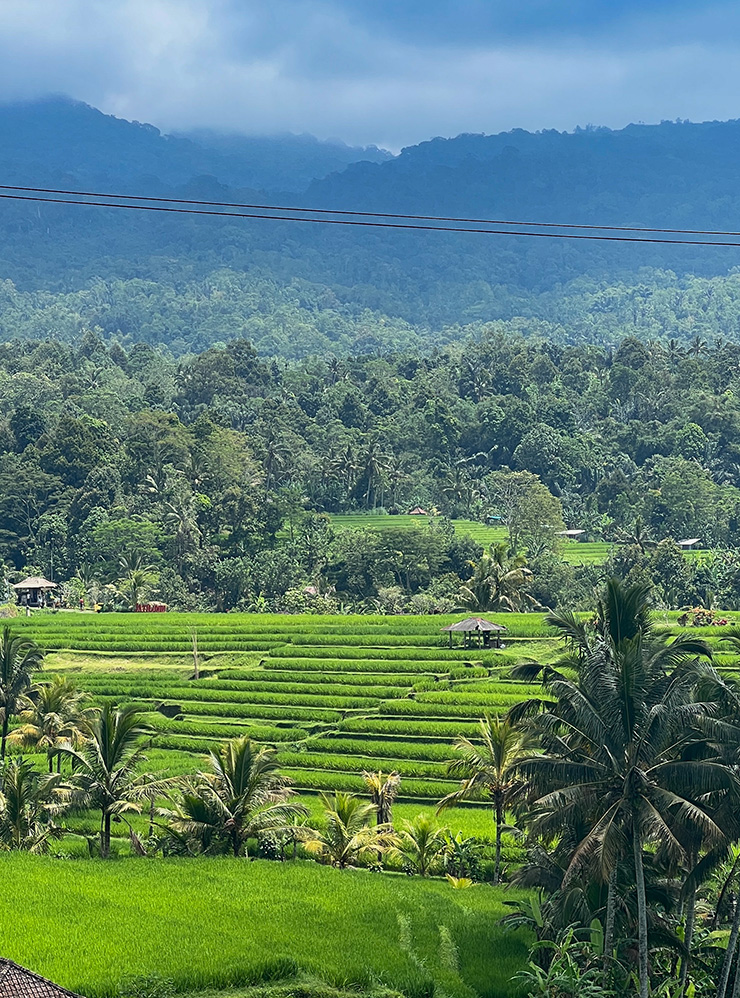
x: 392, y: 72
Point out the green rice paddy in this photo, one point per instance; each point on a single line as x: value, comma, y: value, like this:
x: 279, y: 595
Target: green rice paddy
x: 219, y: 923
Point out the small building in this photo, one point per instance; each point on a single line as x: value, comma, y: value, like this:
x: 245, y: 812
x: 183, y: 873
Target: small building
x: 484, y: 629
x: 34, y: 591
x: 417, y: 511
x: 571, y: 534
x: 688, y: 543
x: 17, y: 982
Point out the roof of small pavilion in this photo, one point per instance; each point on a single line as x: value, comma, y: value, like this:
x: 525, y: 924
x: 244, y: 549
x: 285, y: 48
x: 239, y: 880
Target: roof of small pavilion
x: 418, y: 511
x: 35, y: 582
x: 688, y: 541
x: 475, y: 624
x: 17, y: 982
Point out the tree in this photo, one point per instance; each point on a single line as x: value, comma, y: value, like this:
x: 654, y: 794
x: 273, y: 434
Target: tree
x: 18, y: 658
x: 349, y: 836
x: 105, y: 766
x: 29, y: 803
x: 616, y: 749
x: 532, y: 514
x: 499, y: 581
x: 490, y: 770
x: 243, y: 796
x: 383, y: 792
x: 53, y: 713
x: 422, y: 844
x: 137, y: 578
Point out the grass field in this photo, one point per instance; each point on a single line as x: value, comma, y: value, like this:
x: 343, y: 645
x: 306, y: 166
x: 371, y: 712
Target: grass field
x: 575, y: 552
x: 222, y: 923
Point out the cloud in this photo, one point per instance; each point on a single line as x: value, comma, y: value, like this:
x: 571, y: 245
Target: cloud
x: 386, y: 72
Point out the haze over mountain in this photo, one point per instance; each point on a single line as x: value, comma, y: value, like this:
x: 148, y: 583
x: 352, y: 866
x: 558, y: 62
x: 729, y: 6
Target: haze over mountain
x: 189, y: 281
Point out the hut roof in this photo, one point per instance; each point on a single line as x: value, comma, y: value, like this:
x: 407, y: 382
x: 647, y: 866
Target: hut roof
x: 35, y: 582
x: 17, y: 982
x: 417, y: 511
x: 475, y: 624
x: 688, y: 541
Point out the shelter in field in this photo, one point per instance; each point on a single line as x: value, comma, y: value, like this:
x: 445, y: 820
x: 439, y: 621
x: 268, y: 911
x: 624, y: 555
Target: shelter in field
x: 17, y: 982
x: 688, y: 543
x: 472, y: 626
x: 571, y: 534
x: 34, y: 591
x: 417, y: 511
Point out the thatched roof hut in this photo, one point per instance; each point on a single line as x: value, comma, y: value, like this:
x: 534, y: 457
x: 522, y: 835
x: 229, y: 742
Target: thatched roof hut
x: 477, y: 625
x: 17, y: 982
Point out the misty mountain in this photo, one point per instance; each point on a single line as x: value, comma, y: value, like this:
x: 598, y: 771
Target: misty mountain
x: 190, y: 281
x: 59, y: 139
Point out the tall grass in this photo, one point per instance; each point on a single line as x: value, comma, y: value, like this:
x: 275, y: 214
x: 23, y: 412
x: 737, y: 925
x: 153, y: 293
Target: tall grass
x: 93, y: 925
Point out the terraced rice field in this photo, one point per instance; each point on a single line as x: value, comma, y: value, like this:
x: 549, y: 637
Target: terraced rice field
x: 575, y: 552
x: 337, y: 695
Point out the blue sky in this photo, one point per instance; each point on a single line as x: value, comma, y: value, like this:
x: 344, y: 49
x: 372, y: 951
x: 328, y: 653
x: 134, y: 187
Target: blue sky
x: 392, y: 72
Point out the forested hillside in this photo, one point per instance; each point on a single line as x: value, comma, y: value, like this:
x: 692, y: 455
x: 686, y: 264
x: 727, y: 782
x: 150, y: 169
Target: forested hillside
x: 206, y: 482
x: 187, y: 282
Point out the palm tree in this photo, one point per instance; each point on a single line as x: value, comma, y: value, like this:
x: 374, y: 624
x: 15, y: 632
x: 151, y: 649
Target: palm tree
x: 105, y: 766
x: 490, y: 770
x: 18, y: 658
x: 53, y: 713
x: 242, y: 796
x: 615, y: 750
x: 29, y: 801
x: 422, y: 843
x: 383, y: 792
x: 137, y: 577
x: 499, y: 582
x: 349, y: 836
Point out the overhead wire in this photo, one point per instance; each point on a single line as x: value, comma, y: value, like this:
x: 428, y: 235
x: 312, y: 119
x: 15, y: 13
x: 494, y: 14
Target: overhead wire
x: 372, y: 214
x: 158, y: 207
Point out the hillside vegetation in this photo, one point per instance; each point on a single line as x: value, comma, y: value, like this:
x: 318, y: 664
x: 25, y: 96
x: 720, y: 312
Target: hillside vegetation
x: 296, y: 290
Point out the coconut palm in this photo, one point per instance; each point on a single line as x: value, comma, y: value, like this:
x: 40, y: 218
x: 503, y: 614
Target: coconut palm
x: 349, y: 836
x: 615, y: 749
x: 490, y: 769
x: 241, y: 797
x: 29, y: 803
x: 422, y: 843
x: 105, y: 766
x: 383, y: 792
x: 53, y: 713
x: 500, y: 581
x: 137, y: 577
x: 18, y: 658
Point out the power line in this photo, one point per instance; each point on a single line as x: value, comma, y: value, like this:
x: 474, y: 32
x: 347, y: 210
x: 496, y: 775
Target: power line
x: 365, y: 224
x: 367, y: 214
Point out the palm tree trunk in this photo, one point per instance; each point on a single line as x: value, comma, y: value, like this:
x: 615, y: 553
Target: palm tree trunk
x: 730, y: 952
x: 105, y: 836
x: 6, y: 721
x: 688, y: 935
x: 497, y: 862
x: 611, y: 905
x: 642, y: 934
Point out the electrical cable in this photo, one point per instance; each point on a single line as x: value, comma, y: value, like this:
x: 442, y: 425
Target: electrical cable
x: 366, y: 224
x: 372, y: 214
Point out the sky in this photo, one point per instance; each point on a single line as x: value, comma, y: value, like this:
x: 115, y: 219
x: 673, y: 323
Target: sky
x: 389, y: 72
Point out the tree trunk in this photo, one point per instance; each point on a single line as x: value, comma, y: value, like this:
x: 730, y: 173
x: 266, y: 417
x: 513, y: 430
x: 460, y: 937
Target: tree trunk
x: 642, y: 934
x: 688, y: 935
x: 6, y: 721
x: 499, y: 821
x: 611, y: 905
x: 105, y: 836
x: 730, y: 952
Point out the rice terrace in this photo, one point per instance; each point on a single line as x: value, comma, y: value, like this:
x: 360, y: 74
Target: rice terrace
x: 337, y: 697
